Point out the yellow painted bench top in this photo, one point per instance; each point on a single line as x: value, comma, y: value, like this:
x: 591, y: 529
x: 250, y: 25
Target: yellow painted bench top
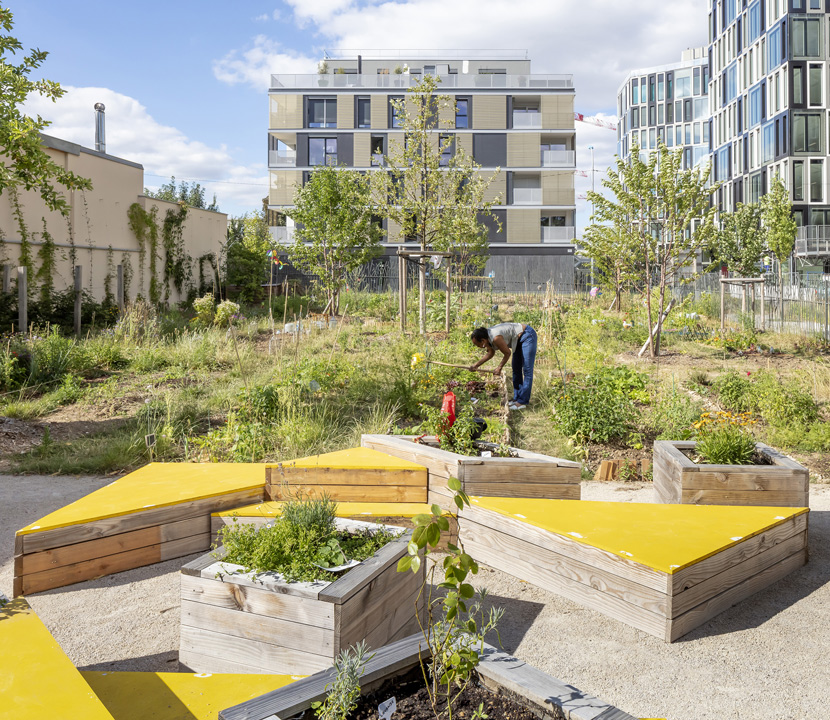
x: 660, y: 536
x: 344, y: 509
x: 177, y: 696
x: 155, y: 485
x: 37, y: 680
x: 353, y: 459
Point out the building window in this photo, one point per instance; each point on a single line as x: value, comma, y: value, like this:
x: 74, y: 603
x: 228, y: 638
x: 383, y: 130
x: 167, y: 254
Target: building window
x: 377, y: 150
x: 670, y: 113
x: 806, y: 40
x: 798, y: 85
x: 395, y: 111
x: 322, y: 151
x: 651, y: 89
x: 635, y: 92
x: 817, y: 180
x: 807, y: 133
x: 815, y: 4
x: 768, y: 140
x: 651, y: 116
x: 754, y: 106
x: 364, y: 112
x: 814, y: 72
x: 447, y: 145
x: 660, y: 114
x: 462, y: 113
x: 322, y: 113
x: 798, y: 180
x: 660, y: 88
x: 774, y: 48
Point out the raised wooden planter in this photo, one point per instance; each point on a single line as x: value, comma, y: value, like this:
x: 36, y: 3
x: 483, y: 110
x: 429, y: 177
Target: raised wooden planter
x: 528, y: 475
x: 546, y: 696
x: 677, y: 479
x: 234, y: 622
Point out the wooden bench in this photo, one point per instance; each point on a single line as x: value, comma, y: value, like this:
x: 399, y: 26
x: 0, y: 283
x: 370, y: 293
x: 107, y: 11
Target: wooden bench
x: 159, y: 512
x: 664, y: 569
x: 352, y: 475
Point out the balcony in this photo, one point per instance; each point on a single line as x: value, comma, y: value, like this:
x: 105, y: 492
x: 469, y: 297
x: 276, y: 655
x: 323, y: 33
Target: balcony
x: 461, y: 80
x: 813, y: 241
x: 282, y: 235
x: 378, y: 160
x: 281, y: 159
x: 558, y: 158
x: 527, y: 120
x: 527, y: 196
x: 554, y: 235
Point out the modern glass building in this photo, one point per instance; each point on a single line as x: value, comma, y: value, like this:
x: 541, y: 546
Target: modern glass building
x: 669, y: 103
x: 506, y: 117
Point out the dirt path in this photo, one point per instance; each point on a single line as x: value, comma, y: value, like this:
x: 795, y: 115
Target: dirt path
x: 764, y: 658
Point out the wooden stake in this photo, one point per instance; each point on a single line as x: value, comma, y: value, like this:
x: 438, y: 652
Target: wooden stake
x: 79, y: 286
x: 22, y: 299
x: 657, y: 324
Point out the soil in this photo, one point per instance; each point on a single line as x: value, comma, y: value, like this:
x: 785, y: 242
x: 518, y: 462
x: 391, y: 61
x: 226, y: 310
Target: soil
x: 413, y: 703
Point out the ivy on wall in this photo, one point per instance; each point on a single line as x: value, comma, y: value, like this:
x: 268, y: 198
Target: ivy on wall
x: 109, y: 295
x: 25, y: 258
x: 212, y: 283
x: 177, y: 263
x: 46, y: 272
x: 145, y: 228
x: 127, y: 270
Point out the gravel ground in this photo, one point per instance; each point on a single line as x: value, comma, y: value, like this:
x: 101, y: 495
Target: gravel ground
x: 764, y: 658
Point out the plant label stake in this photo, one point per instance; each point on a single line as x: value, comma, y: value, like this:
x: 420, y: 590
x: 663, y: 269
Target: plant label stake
x: 387, y: 709
x: 150, y: 440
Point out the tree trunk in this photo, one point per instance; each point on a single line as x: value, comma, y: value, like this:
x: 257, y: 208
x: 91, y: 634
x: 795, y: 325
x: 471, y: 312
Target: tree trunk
x: 422, y: 295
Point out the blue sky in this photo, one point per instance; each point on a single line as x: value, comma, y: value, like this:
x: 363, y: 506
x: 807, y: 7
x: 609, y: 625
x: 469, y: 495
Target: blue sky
x: 185, y: 83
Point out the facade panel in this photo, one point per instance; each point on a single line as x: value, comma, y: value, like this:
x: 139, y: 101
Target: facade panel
x: 345, y: 111
x: 286, y: 111
x: 283, y: 186
x: 523, y: 149
x: 380, y: 109
x: 557, y: 111
x: 557, y: 187
x: 524, y: 226
x: 490, y: 112
x: 362, y: 146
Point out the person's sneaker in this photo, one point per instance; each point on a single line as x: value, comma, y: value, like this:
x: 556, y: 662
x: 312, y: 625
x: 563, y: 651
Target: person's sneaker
x: 517, y: 406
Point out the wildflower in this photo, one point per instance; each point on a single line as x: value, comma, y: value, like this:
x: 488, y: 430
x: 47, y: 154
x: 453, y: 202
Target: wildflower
x: 417, y: 359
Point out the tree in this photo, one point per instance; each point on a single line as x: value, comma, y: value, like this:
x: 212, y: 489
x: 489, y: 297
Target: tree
x: 26, y: 164
x: 192, y: 195
x: 741, y: 240
x: 335, y: 231
x: 433, y: 189
x: 662, y: 210
x: 246, y: 255
x: 777, y: 215
x: 616, y: 257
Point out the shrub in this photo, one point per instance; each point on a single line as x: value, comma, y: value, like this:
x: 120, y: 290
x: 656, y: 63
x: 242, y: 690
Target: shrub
x: 592, y: 410
x: 226, y: 313
x: 673, y: 415
x: 205, y: 309
x: 722, y: 439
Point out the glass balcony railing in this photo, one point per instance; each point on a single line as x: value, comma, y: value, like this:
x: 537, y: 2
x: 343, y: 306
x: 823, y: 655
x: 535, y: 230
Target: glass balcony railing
x: 283, y: 235
x: 523, y: 120
x: 278, y: 159
x: 527, y: 196
x: 558, y: 235
x: 461, y: 80
x: 558, y: 158
x: 378, y: 160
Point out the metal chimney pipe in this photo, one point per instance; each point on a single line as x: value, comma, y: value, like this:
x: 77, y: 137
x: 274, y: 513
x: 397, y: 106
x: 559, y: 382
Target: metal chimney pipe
x: 100, y: 138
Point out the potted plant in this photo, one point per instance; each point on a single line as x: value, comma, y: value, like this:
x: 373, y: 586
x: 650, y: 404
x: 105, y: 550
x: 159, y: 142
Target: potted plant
x: 724, y: 465
x: 288, y: 597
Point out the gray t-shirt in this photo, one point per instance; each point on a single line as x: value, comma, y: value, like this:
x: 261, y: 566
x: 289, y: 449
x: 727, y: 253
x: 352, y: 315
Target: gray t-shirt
x: 509, y: 331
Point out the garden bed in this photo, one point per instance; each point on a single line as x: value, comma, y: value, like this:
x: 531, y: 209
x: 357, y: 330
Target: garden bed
x: 237, y: 621
x: 545, y: 696
x: 525, y: 474
x: 777, y: 481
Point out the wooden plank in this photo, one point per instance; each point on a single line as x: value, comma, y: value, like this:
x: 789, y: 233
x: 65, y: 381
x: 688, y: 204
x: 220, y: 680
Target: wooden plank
x: 737, y: 573
x: 268, y: 581
x: 670, y: 452
x: 356, y: 493
x: 434, y: 459
x: 764, y: 479
x: 545, y: 540
x: 295, y: 698
x: 584, y: 595
x: 184, y: 546
x: 185, y: 528
x: 770, y: 498
x: 350, y: 476
x: 71, y: 534
x: 380, y: 597
x: 262, y: 628
x: 91, y: 569
x: 347, y: 586
x: 195, y: 567
x: 550, y: 492
x: 258, y: 601
x: 693, y: 574
x: 17, y: 582
x: 543, y: 474
x: 189, y: 661
x: 618, y: 585
x: 398, y: 617
x: 693, y: 618
x: 266, y: 657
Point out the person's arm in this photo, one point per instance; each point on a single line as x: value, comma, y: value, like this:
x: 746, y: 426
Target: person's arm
x: 499, y: 342
x: 487, y: 357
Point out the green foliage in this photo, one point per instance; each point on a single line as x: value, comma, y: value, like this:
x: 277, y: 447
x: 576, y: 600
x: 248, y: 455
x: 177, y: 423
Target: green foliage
x: 300, y: 544
x: 246, y: 255
x: 46, y: 272
x: 741, y: 240
x: 780, y: 404
x: 185, y: 193
x: 27, y: 166
x: 336, y: 233
x: 178, y: 264
x: 458, y: 437
x: 205, y: 309
x: 343, y: 693
x: 69, y: 391
x: 673, y: 415
x: 144, y: 226
x: 725, y: 443
x: 226, y: 312
x: 777, y: 214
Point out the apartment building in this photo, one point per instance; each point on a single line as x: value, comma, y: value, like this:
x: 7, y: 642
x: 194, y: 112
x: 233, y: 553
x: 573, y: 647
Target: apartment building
x: 668, y: 104
x: 505, y: 117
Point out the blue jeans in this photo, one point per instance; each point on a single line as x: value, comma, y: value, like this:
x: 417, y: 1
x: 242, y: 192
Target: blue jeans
x: 523, y: 360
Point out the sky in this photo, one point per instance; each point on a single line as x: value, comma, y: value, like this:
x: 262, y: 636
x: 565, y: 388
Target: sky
x: 185, y: 83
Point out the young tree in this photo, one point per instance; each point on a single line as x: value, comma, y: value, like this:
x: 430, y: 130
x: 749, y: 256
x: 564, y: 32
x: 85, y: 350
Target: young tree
x: 335, y: 231
x: 26, y: 164
x: 192, y: 195
x: 666, y: 212
x: 433, y: 189
x: 777, y: 215
x: 615, y: 255
x: 246, y: 255
x: 741, y: 240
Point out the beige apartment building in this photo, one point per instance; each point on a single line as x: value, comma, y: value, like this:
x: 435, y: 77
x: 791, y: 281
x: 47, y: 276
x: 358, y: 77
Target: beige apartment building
x: 506, y: 118
x: 98, y: 221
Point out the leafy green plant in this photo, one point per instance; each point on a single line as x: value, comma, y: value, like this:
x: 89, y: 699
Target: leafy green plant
x: 458, y: 437
x: 205, y: 309
x: 343, y: 693
x: 592, y: 410
x: 673, y: 415
x: 456, y: 637
x: 226, y: 312
x: 722, y: 439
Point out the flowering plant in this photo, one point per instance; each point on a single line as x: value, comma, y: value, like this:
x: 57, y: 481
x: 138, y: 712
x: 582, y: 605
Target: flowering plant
x: 723, y: 438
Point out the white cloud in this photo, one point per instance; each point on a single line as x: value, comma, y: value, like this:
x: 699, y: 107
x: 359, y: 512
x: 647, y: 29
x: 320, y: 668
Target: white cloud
x: 317, y: 11
x: 133, y: 134
x: 262, y: 18
x: 254, y: 65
